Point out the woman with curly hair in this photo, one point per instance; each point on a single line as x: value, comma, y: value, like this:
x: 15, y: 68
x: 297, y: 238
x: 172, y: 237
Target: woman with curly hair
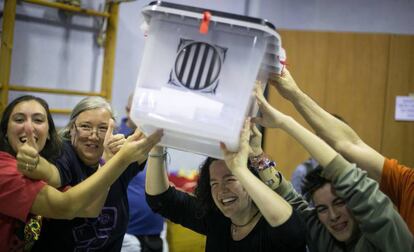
x: 231, y: 206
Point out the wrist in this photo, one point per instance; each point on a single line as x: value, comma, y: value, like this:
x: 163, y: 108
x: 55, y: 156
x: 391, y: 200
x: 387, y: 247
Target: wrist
x: 256, y: 153
x: 265, y: 167
x: 295, y: 95
x: 158, y: 153
x: 261, y: 162
x: 157, y: 150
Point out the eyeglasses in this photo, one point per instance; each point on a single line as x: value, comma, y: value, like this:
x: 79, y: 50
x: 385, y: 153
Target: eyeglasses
x: 86, y: 130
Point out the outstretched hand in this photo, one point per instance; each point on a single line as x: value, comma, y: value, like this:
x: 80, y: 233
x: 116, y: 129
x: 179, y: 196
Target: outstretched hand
x: 137, y: 146
x: 112, y: 143
x: 255, y: 141
x: 285, y: 84
x: 27, y: 155
x: 236, y: 160
x: 270, y: 117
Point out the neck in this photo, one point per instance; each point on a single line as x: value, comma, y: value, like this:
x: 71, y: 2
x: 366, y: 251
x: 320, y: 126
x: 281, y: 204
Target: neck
x: 248, y: 222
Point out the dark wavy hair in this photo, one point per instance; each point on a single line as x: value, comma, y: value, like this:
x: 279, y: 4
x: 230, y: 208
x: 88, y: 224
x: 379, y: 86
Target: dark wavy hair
x: 53, y: 145
x: 203, y: 188
x: 313, y: 181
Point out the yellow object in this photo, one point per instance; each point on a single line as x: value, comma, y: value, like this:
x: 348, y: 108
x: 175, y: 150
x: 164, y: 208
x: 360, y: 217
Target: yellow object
x: 181, y: 239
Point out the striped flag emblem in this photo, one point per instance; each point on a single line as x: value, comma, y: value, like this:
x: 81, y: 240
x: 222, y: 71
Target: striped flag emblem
x: 197, y: 65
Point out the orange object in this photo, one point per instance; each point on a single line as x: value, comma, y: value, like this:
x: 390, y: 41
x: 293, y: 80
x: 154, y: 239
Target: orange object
x: 205, y: 22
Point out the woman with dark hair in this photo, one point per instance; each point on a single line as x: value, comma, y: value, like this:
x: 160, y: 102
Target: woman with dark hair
x: 27, y: 131
x: 53, y: 143
x: 231, y: 206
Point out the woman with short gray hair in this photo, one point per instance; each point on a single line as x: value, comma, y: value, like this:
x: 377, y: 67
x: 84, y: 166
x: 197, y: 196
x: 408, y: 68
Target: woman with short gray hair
x: 88, y: 143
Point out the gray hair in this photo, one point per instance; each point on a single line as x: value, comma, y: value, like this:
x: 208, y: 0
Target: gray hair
x: 88, y: 103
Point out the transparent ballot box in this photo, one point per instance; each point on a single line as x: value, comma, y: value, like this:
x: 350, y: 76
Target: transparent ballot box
x: 198, y: 72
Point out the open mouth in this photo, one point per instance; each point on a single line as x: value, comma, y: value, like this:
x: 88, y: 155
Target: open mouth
x: 228, y: 201
x: 340, y: 226
x: 23, y: 139
x: 92, y: 145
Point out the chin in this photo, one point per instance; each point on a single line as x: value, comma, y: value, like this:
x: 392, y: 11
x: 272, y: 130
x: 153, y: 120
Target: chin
x: 343, y: 238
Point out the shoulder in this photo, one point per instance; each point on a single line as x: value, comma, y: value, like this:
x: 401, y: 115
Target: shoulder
x: 5, y: 156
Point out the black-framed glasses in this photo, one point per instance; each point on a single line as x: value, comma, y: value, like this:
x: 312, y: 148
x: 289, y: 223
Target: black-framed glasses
x: 85, y: 130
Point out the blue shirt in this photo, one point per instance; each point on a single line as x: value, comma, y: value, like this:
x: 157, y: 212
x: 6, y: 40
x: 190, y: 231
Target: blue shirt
x: 142, y: 220
x: 300, y: 173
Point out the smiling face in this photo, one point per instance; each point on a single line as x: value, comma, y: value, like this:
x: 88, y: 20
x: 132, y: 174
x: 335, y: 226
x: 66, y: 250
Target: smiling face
x: 227, y: 192
x: 89, y: 145
x: 333, y: 213
x: 27, y: 116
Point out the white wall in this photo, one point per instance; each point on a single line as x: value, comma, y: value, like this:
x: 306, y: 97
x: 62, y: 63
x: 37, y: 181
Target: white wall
x: 378, y: 16
x: 55, y: 50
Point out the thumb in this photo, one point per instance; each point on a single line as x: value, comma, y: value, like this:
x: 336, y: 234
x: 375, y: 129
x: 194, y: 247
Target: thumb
x: 31, y: 141
x: 224, y: 149
x: 110, y: 130
x: 258, y: 120
x: 136, y: 136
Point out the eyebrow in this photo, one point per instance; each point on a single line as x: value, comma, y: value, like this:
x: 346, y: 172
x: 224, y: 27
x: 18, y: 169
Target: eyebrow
x: 337, y: 199
x: 23, y: 114
x: 333, y: 201
x: 225, y: 176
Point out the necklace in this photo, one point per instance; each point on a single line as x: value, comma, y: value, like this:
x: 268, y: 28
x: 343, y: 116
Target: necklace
x: 235, y: 226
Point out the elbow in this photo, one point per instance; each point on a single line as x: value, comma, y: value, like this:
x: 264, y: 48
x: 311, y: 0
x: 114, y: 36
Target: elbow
x: 70, y: 209
x: 67, y: 213
x: 276, y: 220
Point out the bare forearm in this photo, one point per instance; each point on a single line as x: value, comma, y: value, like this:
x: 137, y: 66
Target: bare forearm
x: 339, y: 135
x: 318, y: 149
x: 156, y: 181
x: 95, y: 208
x: 273, y: 207
x: 52, y: 175
x: 332, y: 130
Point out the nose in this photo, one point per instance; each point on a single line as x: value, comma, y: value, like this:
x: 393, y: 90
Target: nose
x: 333, y: 214
x: 223, y: 187
x: 28, y: 126
x: 94, y: 134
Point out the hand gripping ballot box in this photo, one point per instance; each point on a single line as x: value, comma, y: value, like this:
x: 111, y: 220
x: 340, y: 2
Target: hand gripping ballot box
x: 198, y: 72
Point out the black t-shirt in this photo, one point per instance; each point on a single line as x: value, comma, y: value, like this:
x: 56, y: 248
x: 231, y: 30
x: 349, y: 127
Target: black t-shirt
x: 104, y: 233
x: 182, y: 208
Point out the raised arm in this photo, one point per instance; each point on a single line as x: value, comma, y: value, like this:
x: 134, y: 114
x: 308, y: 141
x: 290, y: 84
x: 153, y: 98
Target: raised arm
x: 272, y: 206
x: 156, y: 181
x: 271, y: 117
x: 335, y: 132
x: 66, y: 205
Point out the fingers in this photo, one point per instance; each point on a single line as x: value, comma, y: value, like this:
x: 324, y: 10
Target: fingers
x: 224, y: 149
x: 110, y: 130
x: 116, y: 142
x: 245, y: 136
x: 260, y: 97
x: 255, y: 130
x: 155, y: 138
x: 285, y: 74
x: 136, y: 136
x: 147, y: 143
x: 27, y: 158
